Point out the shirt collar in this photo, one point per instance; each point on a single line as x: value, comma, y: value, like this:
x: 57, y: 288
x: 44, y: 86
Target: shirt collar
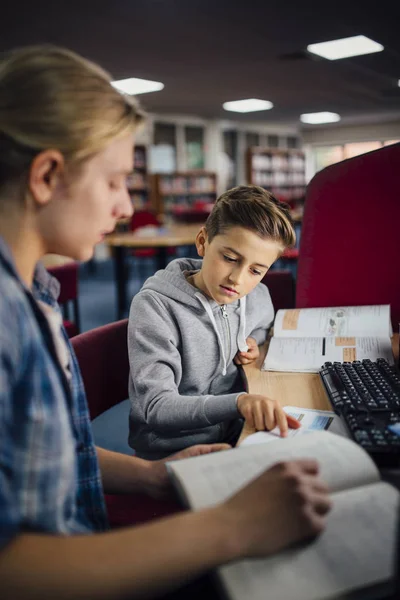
x: 45, y: 287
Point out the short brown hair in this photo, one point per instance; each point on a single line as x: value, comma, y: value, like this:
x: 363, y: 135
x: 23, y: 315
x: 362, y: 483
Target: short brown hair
x: 253, y: 208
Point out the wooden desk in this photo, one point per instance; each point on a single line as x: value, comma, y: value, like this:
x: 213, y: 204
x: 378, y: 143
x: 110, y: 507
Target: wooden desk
x: 294, y: 389
x: 174, y: 235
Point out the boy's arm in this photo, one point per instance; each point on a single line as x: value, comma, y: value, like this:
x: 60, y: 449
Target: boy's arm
x: 124, y: 474
x: 260, y: 304
x: 156, y: 370
x: 288, y: 503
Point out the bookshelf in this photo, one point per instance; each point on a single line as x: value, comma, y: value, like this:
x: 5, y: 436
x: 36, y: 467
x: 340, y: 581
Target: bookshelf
x: 180, y: 194
x: 280, y: 171
x: 138, y: 183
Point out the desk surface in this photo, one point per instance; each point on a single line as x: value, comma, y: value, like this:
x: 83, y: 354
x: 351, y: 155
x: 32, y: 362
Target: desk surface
x: 174, y: 235
x: 294, y: 389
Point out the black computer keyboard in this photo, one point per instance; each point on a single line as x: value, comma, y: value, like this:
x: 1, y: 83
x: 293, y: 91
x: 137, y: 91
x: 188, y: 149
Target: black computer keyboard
x: 366, y: 395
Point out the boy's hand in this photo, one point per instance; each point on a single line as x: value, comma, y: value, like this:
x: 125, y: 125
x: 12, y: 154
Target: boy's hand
x: 289, y: 503
x: 245, y: 358
x: 263, y: 413
x: 160, y: 484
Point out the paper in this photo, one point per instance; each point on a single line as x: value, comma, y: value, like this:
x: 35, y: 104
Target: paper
x: 356, y: 321
x: 308, y: 354
x: 311, y: 420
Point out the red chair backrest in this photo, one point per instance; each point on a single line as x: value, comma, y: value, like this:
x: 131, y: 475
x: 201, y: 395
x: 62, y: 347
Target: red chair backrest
x: 102, y: 355
x: 280, y: 284
x: 67, y: 275
x: 349, y: 251
x: 143, y: 218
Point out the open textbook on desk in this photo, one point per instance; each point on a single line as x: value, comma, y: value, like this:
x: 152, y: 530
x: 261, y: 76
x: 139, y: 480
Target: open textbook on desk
x: 356, y: 551
x: 305, y: 338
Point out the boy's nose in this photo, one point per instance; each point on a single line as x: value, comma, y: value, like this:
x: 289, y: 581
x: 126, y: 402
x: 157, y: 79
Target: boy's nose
x: 236, y: 276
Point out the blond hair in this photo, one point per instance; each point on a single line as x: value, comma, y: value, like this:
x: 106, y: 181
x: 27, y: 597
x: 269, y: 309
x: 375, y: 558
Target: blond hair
x: 253, y: 208
x: 51, y: 97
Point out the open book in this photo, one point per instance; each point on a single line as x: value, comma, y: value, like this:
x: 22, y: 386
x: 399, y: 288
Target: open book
x: 305, y: 338
x: 356, y: 551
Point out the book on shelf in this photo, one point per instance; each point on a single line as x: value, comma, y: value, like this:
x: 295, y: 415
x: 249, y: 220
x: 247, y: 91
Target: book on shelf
x: 305, y: 338
x: 354, y: 554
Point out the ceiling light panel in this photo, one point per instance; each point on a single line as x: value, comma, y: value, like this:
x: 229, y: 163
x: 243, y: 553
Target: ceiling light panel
x: 319, y: 117
x: 134, y: 86
x: 345, y: 47
x: 249, y: 105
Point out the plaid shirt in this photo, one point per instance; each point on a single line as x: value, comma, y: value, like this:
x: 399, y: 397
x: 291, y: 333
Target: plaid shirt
x: 49, y: 475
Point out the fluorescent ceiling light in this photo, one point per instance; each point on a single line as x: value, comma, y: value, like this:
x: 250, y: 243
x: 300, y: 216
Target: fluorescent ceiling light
x: 351, y: 46
x: 398, y: 83
x: 249, y: 105
x: 319, y: 117
x: 134, y: 86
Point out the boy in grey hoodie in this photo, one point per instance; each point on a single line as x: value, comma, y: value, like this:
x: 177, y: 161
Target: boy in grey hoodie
x: 193, y: 323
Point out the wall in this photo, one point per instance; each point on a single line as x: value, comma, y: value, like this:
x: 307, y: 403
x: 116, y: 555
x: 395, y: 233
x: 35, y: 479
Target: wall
x: 213, y: 140
x: 352, y: 133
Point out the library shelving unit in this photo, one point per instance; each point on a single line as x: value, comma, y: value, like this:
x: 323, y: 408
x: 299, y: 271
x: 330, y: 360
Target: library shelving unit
x: 281, y: 171
x: 183, y: 195
x: 138, y: 182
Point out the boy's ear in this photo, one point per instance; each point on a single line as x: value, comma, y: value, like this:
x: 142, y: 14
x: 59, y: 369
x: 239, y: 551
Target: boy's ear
x: 201, y: 240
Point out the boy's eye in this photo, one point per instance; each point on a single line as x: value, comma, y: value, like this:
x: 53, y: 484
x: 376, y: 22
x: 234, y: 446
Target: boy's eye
x: 230, y: 259
x: 255, y: 272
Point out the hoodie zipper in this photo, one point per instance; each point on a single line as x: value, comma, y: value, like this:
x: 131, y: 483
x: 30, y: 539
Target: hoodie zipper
x: 226, y: 321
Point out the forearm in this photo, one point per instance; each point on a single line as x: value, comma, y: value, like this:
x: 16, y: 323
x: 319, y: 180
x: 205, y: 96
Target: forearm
x: 124, y: 474
x: 172, y: 412
x: 130, y: 563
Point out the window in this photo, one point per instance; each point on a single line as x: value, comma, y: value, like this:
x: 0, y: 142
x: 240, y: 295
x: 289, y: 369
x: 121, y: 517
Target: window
x: 273, y: 141
x: 351, y: 150
x: 327, y: 155
x: 252, y: 139
x: 194, y: 147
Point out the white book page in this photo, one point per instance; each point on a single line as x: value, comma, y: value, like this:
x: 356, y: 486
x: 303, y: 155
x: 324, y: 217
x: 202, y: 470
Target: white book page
x: 338, y: 321
x: 210, y: 479
x: 310, y: 353
x: 311, y: 420
x: 357, y: 549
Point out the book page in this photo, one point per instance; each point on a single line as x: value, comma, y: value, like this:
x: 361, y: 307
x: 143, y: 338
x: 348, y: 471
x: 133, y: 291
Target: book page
x: 209, y: 479
x: 311, y: 420
x: 308, y: 354
x: 357, y: 550
x: 338, y: 321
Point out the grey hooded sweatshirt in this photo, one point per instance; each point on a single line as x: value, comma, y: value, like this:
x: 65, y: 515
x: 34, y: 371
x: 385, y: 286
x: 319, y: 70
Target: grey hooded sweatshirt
x: 183, y: 384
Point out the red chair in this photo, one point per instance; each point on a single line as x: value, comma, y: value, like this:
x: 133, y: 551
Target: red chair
x: 102, y: 355
x: 281, y: 286
x: 67, y: 275
x: 143, y: 219
x: 349, y: 249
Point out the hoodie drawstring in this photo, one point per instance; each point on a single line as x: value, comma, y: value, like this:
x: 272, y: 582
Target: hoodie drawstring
x: 241, y: 340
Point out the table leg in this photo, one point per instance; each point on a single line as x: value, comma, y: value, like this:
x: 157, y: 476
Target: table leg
x: 120, y: 280
x: 162, y: 257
